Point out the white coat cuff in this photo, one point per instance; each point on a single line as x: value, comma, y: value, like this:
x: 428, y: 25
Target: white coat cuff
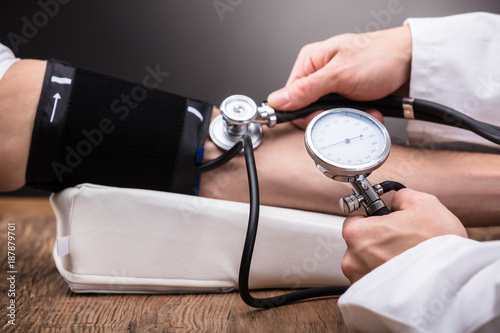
x: 426, y: 287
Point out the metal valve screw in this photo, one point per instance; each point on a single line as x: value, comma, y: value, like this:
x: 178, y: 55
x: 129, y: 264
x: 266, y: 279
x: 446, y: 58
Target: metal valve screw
x: 350, y: 203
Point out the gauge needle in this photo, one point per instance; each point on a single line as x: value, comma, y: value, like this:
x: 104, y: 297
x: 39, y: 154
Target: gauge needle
x: 347, y: 141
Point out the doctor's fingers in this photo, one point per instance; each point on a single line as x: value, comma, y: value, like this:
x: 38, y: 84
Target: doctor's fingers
x: 312, y: 57
x: 373, y: 240
x: 410, y: 199
x: 313, y: 75
x: 424, y: 214
x: 353, y: 267
x: 358, y: 259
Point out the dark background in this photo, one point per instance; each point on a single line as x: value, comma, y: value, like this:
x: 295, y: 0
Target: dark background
x: 248, y: 47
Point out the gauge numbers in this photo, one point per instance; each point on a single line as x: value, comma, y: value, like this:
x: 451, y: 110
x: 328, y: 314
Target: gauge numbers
x: 347, y: 141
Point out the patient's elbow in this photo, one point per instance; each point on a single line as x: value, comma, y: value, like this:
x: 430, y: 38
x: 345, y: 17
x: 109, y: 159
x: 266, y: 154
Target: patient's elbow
x: 10, y: 184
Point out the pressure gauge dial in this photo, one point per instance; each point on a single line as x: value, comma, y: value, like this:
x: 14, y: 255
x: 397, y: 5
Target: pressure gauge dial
x: 345, y: 143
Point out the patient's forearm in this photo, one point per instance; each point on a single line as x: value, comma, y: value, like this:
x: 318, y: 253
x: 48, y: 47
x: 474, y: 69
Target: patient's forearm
x: 467, y: 183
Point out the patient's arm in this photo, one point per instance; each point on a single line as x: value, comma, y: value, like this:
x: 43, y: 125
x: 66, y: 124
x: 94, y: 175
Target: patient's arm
x: 19, y: 94
x: 467, y: 183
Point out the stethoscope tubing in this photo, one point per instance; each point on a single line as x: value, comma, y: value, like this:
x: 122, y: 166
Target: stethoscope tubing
x: 392, y: 106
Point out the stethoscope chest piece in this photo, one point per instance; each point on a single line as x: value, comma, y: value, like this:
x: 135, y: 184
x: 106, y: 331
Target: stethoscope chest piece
x: 238, y: 113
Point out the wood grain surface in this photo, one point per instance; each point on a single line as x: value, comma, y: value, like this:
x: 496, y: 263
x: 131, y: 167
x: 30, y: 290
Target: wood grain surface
x: 44, y: 302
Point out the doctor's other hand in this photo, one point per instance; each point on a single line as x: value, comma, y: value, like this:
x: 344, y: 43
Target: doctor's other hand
x: 365, y: 66
x: 371, y: 241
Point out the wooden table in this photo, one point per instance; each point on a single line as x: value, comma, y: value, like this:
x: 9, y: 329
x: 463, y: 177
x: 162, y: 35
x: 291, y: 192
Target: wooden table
x: 45, y: 304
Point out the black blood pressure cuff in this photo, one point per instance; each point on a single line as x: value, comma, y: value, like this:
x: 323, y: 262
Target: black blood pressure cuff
x: 93, y: 128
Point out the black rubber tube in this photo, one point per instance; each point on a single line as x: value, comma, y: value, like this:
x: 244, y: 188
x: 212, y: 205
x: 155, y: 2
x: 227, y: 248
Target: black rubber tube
x: 387, y: 186
x: 222, y: 159
x: 392, y: 106
x: 248, y: 248
x: 451, y: 117
x: 382, y: 211
x: 390, y: 185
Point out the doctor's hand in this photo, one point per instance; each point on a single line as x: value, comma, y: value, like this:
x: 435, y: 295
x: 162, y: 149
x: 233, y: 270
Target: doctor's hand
x: 358, y: 66
x: 371, y: 241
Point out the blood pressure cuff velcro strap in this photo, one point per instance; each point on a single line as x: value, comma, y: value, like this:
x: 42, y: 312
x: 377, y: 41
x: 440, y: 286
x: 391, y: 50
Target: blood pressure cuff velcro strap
x: 91, y: 127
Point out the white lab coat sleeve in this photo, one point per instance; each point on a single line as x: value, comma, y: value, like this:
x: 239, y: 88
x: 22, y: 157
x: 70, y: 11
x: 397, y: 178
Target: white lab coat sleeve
x: 455, y: 62
x: 7, y: 58
x: 445, y: 284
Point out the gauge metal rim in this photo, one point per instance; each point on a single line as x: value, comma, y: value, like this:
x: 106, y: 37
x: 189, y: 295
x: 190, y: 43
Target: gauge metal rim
x: 339, y: 169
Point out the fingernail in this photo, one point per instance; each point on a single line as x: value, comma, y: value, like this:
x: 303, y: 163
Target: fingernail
x: 279, y: 98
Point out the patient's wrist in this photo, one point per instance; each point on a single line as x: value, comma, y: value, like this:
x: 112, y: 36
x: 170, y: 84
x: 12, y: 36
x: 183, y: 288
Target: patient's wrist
x: 287, y: 175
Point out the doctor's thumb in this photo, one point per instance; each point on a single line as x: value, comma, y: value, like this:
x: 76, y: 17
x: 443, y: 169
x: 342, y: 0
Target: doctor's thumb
x: 297, y: 94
